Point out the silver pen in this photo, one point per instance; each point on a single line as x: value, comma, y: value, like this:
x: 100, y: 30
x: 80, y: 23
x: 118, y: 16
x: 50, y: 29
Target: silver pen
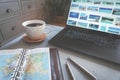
x: 70, y: 70
x: 82, y: 68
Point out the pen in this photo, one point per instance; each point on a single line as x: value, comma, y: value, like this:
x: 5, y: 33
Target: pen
x: 70, y: 70
x: 82, y: 68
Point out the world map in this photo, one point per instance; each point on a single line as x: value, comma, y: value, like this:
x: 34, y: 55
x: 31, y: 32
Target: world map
x: 38, y: 66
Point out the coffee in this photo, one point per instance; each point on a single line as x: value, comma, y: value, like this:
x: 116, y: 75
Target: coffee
x: 34, y: 24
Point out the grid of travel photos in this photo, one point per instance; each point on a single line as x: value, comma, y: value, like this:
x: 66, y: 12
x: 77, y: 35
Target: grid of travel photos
x: 100, y: 15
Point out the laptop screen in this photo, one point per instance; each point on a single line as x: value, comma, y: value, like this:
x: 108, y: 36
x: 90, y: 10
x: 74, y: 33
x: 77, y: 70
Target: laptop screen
x: 98, y: 15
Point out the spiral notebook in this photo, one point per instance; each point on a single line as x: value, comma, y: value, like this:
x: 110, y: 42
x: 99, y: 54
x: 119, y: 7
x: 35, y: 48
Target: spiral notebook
x: 30, y: 64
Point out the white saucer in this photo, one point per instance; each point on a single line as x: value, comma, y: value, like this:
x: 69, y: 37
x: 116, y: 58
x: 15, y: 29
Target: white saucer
x: 27, y: 39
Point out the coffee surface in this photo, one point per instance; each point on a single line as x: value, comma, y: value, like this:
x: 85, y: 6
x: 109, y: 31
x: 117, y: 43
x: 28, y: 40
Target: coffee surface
x: 34, y: 24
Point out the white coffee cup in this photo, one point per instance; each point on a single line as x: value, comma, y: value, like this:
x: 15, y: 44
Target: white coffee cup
x: 34, y: 28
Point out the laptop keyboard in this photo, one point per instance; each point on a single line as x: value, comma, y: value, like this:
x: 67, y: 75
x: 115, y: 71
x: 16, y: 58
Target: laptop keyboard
x: 76, y: 35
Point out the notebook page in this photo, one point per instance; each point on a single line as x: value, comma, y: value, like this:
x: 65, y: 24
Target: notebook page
x: 38, y: 67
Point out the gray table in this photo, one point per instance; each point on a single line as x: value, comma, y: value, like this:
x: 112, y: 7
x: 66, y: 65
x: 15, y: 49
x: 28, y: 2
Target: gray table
x: 102, y: 70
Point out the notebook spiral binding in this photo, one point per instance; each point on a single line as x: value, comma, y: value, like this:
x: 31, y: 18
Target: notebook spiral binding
x: 20, y: 66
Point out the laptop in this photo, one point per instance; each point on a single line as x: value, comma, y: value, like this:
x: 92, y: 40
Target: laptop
x: 92, y: 28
